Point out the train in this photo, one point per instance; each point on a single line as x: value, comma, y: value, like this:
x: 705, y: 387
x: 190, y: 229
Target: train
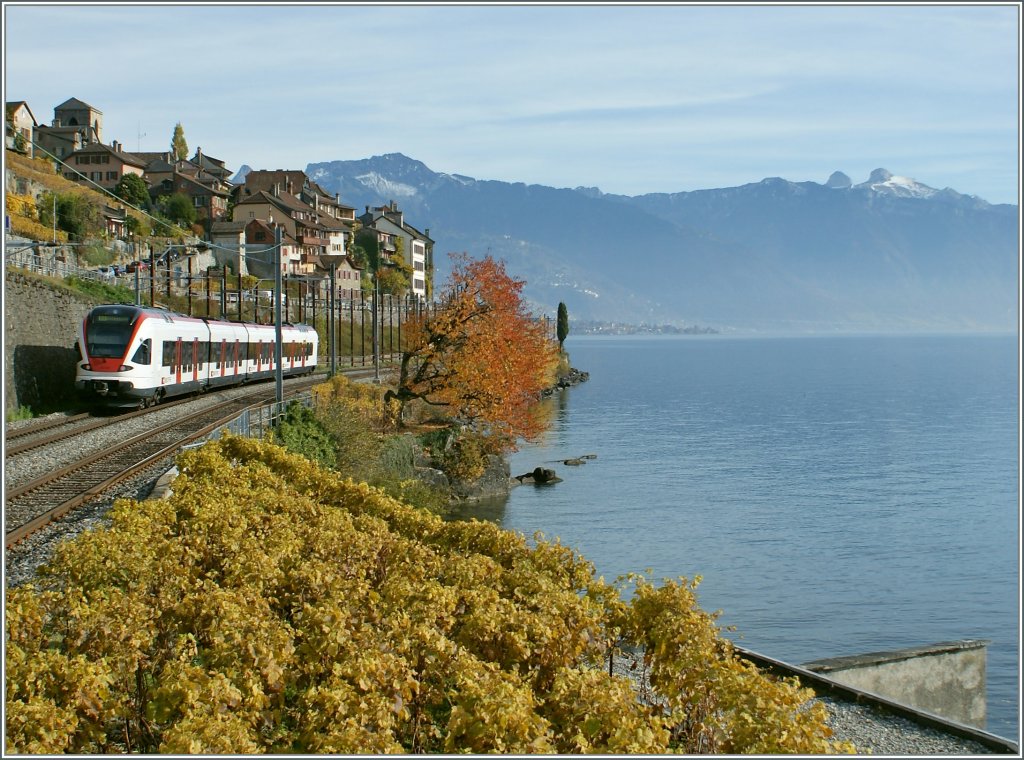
x: 135, y: 356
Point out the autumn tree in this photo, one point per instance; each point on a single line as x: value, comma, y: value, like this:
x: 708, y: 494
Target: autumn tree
x: 179, y: 148
x: 481, y: 355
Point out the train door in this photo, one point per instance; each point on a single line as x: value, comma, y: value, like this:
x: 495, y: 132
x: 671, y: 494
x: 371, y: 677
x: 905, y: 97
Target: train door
x: 177, y: 362
x: 196, y: 358
x: 234, y: 354
x: 223, y: 355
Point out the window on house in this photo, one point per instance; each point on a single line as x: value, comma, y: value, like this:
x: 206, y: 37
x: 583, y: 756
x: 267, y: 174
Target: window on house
x: 111, y: 175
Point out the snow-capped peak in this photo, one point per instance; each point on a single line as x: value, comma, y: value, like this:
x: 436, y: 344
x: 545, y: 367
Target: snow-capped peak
x: 884, y: 181
x: 386, y: 187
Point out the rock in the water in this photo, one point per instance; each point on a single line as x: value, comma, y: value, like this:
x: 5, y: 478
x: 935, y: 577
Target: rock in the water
x: 540, y: 476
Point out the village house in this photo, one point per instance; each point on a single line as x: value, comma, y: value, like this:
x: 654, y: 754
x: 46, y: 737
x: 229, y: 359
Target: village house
x: 75, y: 126
x: 417, y: 247
x: 260, y: 255
x: 212, y: 166
x: 20, y: 127
x: 115, y: 218
x: 102, y: 164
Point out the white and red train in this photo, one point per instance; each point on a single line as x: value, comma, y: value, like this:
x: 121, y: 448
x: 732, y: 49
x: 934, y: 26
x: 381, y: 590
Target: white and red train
x: 137, y: 356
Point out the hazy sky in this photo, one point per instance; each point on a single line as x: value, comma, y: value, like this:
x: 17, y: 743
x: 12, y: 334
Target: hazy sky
x: 631, y: 99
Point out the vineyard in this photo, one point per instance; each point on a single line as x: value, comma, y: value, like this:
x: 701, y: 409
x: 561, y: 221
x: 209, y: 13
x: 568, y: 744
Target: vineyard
x: 272, y: 606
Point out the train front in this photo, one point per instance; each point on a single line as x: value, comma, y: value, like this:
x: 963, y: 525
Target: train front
x: 116, y: 359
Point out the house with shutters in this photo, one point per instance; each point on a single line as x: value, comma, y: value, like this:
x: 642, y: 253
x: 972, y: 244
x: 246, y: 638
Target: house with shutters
x: 417, y: 247
x: 100, y: 164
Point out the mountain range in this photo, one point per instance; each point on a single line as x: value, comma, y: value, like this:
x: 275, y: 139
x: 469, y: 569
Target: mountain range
x: 886, y: 254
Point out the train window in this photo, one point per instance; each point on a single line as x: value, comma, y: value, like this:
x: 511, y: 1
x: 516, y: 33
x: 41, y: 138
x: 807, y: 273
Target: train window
x: 168, y: 354
x: 107, y: 334
x: 143, y: 354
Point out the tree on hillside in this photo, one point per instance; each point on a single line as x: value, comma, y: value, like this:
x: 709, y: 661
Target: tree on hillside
x: 179, y: 148
x: 481, y: 355
x: 178, y: 208
x: 78, y: 215
x: 132, y: 188
x: 563, y: 324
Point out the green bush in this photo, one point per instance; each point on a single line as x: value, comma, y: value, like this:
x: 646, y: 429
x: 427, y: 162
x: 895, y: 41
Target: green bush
x: 301, y: 433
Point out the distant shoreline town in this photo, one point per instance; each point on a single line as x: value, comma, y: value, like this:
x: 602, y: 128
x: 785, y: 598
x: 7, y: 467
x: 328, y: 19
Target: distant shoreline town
x: 592, y: 327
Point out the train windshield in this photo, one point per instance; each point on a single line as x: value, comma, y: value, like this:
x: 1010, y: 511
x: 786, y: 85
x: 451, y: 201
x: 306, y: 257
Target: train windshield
x: 107, y: 332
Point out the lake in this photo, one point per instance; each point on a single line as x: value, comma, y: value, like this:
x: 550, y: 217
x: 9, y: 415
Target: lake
x: 838, y: 495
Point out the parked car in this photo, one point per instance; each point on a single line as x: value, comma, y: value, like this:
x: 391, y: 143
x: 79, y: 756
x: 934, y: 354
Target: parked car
x: 142, y: 266
x: 118, y: 270
x: 106, y: 274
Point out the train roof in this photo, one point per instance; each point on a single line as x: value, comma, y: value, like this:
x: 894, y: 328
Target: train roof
x: 167, y: 315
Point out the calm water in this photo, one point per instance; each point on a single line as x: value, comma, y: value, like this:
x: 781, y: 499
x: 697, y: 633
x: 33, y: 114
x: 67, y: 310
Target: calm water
x: 838, y: 495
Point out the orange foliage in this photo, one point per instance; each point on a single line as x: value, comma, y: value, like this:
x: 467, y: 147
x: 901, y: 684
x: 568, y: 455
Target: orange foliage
x: 482, y: 354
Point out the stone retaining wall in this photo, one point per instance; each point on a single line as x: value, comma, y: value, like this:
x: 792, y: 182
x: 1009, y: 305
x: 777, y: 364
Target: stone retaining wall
x: 40, y: 329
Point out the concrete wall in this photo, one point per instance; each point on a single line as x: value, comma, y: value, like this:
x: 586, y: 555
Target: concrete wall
x: 40, y: 329
x: 947, y: 679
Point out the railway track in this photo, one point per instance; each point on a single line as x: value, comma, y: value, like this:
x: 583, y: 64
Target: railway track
x: 41, y: 427
x: 33, y: 505
x: 57, y: 430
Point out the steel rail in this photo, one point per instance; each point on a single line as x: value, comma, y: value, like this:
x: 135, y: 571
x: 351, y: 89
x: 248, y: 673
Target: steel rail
x: 41, y: 427
x: 96, y: 423
x: 229, y: 410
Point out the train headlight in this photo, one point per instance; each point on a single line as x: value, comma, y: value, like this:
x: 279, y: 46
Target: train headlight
x: 87, y: 367
x: 124, y: 368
